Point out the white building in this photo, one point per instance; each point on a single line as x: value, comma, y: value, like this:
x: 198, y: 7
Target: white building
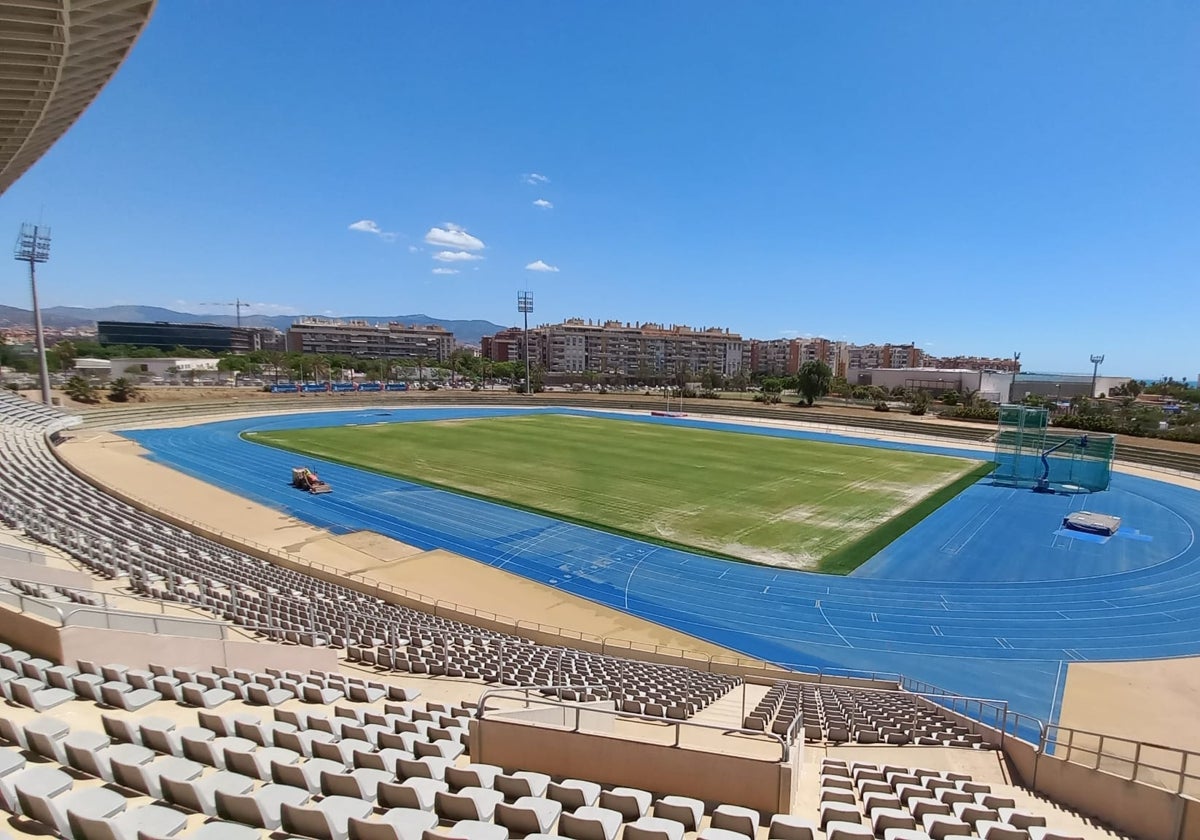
x: 178, y: 370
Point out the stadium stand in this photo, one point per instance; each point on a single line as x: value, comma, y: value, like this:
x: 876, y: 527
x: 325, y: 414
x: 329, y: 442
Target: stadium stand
x: 865, y: 716
x: 168, y: 563
x: 328, y: 767
x: 166, y: 749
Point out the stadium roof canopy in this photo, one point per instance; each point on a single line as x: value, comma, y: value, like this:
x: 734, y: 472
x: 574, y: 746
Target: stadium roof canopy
x: 55, y: 57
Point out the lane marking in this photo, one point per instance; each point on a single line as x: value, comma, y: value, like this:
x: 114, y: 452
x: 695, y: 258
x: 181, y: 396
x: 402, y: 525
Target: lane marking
x: 831, y: 627
x: 631, y: 573
x: 1058, y: 685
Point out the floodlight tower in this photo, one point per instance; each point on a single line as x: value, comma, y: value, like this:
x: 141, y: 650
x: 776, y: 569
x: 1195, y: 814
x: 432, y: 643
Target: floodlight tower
x: 33, y: 247
x: 1012, y: 385
x: 1097, y: 360
x: 525, y: 306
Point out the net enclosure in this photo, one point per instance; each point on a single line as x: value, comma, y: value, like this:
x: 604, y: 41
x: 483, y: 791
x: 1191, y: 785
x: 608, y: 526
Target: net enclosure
x: 1030, y: 453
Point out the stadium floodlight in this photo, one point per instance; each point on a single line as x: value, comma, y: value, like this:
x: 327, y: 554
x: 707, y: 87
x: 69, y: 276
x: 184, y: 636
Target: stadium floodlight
x: 525, y: 306
x: 1097, y: 360
x: 33, y: 247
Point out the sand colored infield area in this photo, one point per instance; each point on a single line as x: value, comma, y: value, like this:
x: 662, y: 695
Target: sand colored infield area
x: 1152, y: 700
x: 117, y: 462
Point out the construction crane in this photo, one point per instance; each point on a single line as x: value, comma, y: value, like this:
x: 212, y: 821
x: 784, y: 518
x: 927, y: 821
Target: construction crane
x: 237, y: 304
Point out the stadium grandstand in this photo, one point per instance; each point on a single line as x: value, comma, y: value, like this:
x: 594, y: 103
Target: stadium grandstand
x: 55, y: 58
x: 162, y: 683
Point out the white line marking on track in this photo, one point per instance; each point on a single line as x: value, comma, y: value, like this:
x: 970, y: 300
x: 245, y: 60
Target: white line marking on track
x: 831, y: 627
x: 1058, y: 684
x: 629, y: 580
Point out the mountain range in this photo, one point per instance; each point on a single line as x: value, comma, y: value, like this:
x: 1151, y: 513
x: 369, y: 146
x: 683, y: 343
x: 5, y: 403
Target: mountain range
x: 65, y: 317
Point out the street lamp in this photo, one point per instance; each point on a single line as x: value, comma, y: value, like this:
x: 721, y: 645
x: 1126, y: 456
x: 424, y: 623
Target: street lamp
x: 33, y: 247
x: 525, y: 306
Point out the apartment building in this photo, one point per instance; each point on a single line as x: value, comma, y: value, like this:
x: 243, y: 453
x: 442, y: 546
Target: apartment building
x: 577, y: 346
x: 785, y: 356
x: 370, y: 341
x: 505, y: 346
x: 774, y: 357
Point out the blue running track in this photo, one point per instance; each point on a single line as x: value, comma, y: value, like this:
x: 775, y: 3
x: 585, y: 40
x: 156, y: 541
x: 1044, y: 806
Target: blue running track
x: 986, y: 597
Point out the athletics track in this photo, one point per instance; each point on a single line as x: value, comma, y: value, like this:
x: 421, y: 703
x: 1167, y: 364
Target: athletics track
x: 987, y: 597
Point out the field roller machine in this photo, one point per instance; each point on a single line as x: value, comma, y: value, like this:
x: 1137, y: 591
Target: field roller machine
x: 305, y: 479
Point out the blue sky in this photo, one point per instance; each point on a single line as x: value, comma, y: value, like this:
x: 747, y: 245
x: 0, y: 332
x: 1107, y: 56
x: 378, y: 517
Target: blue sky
x: 975, y: 177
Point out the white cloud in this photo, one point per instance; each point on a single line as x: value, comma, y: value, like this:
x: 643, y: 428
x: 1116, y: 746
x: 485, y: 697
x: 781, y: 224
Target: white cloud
x: 453, y: 227
x: 453, y: 236
x: 533, y: 179
x: 371, y: 226
x: 412, y: 249
x: 543, y: 203
x: 456, y: 256
x: 538, y: 265
x: 445, y: 271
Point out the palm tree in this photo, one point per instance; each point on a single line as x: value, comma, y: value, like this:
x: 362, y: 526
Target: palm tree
x: 122, y: 390
x: 80, y: 390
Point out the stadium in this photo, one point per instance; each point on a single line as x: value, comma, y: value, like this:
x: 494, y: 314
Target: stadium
x: 481, y: 616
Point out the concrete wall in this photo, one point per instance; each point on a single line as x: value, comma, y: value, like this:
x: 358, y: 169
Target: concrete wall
x: 1135, y: 809
x: 42, y: 637
x: 138, y: 650
x: 22, y: 554
x: 766, y: 786
x: 31, y: 634
x: 24, y: 570
x: 568, y: 716
x: 957, y: 380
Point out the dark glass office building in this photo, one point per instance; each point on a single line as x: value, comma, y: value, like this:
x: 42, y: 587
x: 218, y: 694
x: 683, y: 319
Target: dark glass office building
x: 163, y: 335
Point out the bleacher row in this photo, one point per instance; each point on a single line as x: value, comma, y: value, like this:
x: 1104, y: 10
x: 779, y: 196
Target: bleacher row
x: 389, y: 768
x: 840, y: 715
x: 860, y: 800
x: 162, y: 561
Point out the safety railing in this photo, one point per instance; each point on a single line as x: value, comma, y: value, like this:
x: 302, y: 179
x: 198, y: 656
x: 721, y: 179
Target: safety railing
x: 77, y: 615
x: 1172, y: 769
x: 577, y: 713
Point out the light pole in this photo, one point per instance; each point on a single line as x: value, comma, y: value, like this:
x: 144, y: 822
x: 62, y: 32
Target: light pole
x: 33, y: 247
x: 1097, y: 360
x: 525, y: 306
x: 1012, y: 387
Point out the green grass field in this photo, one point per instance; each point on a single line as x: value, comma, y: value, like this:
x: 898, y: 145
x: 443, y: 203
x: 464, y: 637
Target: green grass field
x: 778, y: 501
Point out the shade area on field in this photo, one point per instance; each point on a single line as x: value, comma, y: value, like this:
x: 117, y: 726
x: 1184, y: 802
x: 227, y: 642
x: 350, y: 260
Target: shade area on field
x: 778, y: 501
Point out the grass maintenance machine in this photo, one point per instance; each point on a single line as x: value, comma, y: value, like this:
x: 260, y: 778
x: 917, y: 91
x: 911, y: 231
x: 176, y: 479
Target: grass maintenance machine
x: 305, y: 479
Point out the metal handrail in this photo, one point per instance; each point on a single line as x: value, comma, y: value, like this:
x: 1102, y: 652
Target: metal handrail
x: 481, y: 709
x: 1181, y: 774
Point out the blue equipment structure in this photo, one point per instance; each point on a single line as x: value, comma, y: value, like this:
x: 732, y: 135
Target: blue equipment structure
x: 1043, y: 483
x: 1030, y: 453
